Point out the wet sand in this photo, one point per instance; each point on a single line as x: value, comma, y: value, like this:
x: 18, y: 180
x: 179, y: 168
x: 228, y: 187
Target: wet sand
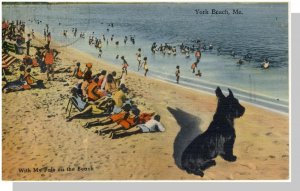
x: 35, y: 134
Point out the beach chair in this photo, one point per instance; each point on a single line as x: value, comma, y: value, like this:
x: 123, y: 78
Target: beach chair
x: 7, y: 61
x: 77, y: 102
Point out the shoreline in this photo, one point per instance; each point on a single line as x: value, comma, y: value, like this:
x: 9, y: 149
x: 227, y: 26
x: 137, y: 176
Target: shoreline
x: 40, y: 137
x: 267, y: 101
x: 270, y: 104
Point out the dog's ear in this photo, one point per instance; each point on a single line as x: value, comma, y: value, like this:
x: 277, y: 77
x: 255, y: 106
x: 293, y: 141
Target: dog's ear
x: 219, y: 93
x: 230, y: 93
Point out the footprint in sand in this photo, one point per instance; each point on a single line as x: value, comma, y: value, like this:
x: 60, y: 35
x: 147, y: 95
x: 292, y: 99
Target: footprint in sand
x: 251, y: 166
x: 272, y: 156
x: 268, y: 133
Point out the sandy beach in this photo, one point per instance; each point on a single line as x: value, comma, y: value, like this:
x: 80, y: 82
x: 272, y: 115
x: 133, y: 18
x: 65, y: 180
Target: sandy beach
x: 35, y: 134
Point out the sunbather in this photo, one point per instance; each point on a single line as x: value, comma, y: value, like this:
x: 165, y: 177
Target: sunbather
x: 129, y: 122
x: 23, y: 83
x: 111, y: 119
x: 16, y: 84
x: 150, y: 126
x: 98, y: 108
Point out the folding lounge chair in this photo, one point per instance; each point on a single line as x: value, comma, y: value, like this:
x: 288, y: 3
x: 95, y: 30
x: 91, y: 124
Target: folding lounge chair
x: 77, y: 103
x: 7, y: 60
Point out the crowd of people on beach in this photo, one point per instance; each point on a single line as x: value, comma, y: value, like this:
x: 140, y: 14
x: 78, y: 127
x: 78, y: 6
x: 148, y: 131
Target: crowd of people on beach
x: 15, y: 41
x: 103, y: 94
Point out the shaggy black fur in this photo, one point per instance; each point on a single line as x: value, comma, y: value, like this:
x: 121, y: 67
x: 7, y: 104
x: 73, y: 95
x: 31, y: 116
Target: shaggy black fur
x: 218, y: 139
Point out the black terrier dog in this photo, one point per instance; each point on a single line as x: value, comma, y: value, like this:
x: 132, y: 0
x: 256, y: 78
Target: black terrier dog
x: 218, y: 139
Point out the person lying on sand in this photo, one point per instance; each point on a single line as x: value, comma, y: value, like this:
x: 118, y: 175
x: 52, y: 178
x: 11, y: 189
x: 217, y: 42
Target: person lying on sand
x: 63, y: 70
x: 150, y: 126
x: 98, y: 108
x: 128, y: 122
x: 111, y: 119
x: 16, y: 84
x: 24, y: 83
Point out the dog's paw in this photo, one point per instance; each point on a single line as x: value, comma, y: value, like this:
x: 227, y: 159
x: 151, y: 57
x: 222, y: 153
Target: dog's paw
x: 229, y: 158
x: 199, y: 173
x: 232, y: 158
x: 213, y: 163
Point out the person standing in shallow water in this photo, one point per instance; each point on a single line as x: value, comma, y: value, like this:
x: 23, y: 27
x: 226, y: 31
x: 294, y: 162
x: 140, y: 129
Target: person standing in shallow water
x: 145, y: 64
x: 124, y: 65
x: 139, y: 58
x: 177, y: 73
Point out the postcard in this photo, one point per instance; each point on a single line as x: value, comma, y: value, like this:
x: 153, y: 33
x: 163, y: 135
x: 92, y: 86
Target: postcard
x: 145, y: 91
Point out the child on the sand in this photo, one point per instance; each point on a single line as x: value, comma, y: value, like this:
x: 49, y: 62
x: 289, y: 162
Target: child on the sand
x: 152, y: 125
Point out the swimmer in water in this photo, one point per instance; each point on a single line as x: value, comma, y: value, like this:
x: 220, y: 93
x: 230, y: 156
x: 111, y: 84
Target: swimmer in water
x: 265, y: 64
x: 240, y: 62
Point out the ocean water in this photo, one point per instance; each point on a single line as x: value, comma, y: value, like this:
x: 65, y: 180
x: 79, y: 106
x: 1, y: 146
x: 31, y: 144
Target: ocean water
x: 261, y: 30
